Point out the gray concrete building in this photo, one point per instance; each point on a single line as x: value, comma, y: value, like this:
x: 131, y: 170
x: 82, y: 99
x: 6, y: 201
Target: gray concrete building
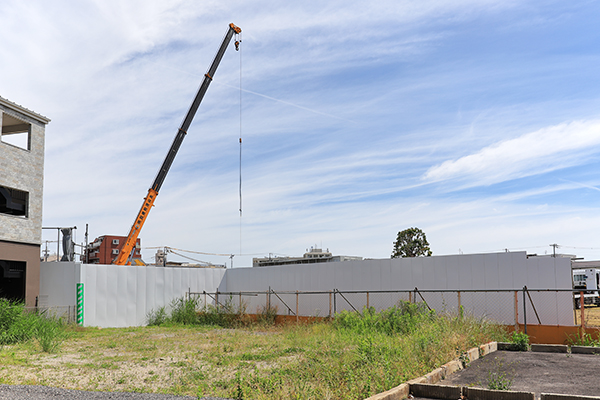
x: 21, y: 188
x: 315, y: 255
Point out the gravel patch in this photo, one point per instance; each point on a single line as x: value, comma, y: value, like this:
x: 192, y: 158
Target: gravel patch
x: 22, y: 392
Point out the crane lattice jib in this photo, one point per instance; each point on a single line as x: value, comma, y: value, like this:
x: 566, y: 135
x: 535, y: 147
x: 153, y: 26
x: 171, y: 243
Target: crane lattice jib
x: 131, y: 240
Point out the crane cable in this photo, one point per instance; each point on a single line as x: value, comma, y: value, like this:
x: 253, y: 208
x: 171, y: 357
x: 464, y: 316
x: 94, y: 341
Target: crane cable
x: 237, y: 47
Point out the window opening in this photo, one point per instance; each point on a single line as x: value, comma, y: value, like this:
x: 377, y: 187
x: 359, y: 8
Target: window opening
x: 12, y: 279
x: 15, y: 132
x: 14, y: 202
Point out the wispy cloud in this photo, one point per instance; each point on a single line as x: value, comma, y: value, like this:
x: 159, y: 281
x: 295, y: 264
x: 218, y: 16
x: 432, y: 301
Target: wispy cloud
x: 533, y: 153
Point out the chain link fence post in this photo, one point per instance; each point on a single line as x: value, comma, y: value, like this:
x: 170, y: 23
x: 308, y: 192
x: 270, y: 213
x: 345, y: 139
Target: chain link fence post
x: 582, y: 308
x: 524, y: 310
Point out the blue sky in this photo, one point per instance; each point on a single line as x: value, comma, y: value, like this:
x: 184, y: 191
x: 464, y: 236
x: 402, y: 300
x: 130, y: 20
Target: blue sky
x: 476, y: 121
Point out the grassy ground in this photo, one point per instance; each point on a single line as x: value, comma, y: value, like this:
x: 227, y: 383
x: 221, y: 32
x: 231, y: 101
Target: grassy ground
x: 351, y: 358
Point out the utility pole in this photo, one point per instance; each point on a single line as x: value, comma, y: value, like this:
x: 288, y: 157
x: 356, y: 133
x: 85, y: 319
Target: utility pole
x: 87, y: 257
x: 554, y: 247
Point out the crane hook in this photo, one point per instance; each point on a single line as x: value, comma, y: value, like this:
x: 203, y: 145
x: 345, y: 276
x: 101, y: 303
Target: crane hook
x: 237, y: 45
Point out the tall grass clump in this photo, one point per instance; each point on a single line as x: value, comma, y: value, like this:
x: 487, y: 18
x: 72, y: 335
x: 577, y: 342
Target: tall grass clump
x: 184, y: 311
x: 17, y: 325
x: 49, y: 333
x: 400, y: 319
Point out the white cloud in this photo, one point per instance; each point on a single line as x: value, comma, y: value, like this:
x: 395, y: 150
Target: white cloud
x: 544, y: 150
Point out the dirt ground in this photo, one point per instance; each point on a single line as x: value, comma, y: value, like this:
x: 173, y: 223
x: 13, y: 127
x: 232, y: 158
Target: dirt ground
x: 591, y: 315
x: 574, y: 374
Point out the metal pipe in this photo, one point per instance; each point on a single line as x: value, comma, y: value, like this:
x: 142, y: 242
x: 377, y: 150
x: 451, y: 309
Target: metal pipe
x: 524, y: 309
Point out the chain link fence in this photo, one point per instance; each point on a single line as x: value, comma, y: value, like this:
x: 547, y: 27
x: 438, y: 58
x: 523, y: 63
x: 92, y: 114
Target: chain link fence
x: 508, y: 307
x: 67, y: 314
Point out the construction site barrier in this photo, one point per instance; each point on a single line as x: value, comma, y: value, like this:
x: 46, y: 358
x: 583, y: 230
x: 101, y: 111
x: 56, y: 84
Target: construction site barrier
x: 546, y: 315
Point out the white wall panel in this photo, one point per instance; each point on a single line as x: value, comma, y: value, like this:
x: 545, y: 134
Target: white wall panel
x: 104, y: 299
x: 492, y: 275
x: 520, y: 265
x: 452, y: 273
x: 440, y: 272
x: 416, y: 267
x: 132, y: 289
x: 465, y: 276
x: 505, y: 272
x: 478, y: 271
x: 386, y: 274
x: 140, y: 294
x: 58, y: 283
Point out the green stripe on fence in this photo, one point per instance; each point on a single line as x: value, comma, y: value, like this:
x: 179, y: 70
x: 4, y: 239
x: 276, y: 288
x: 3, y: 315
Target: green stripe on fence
x: 80, y: 304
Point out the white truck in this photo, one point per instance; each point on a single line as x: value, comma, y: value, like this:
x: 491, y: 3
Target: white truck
x: 588, y: 281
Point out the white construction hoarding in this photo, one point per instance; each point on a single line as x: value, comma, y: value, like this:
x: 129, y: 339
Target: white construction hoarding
x: 119, y: 296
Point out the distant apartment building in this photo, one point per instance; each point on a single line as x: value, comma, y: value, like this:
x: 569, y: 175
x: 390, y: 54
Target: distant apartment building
x: 21, y: 190
x: 315, y: 255
x: 104, y: 250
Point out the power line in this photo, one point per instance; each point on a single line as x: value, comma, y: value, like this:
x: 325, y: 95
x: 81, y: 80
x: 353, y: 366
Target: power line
x: 189, y: 251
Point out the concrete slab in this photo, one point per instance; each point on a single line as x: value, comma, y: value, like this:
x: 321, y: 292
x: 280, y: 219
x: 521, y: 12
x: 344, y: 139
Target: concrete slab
x: 585, y: 350
x: 546, y: 396
x: 550, y: 348
x: 426, y: 391
x: 485, y: 394
x: 567, y: 374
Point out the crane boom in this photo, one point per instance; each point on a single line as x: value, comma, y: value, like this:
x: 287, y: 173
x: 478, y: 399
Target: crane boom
x: 131, y: 240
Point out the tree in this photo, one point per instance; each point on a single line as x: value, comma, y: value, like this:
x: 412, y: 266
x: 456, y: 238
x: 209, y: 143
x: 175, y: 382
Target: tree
x: 411, y: 242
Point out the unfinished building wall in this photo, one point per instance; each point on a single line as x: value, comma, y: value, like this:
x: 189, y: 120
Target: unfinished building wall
x: 21, y: 190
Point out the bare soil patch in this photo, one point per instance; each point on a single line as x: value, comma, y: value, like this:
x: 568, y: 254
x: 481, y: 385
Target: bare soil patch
x: 573, y: 374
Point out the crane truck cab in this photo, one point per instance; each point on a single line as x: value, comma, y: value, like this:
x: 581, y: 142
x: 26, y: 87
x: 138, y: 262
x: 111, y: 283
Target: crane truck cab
x: 586, y: 280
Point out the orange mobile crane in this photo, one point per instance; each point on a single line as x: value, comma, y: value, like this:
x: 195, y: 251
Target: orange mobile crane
x: 128, y: 247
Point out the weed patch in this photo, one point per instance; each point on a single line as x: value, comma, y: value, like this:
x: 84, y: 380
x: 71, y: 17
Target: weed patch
x: 17, y: 325
x: 217, y: 352
x: 584, y: 340
x: 521, y: 340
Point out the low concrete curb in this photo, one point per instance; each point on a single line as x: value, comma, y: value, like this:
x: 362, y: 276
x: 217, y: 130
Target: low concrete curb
x: 507, y: 346
x: 436, y: 375
x: 473, y: 354
x: 436, y: 391
x: 398, y: 393
x: 451, y: 367
x: 487, y: 348
x: 585, y: 350
x: 546, y: 396
x: 550, y: 348
x: 485, y: 394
